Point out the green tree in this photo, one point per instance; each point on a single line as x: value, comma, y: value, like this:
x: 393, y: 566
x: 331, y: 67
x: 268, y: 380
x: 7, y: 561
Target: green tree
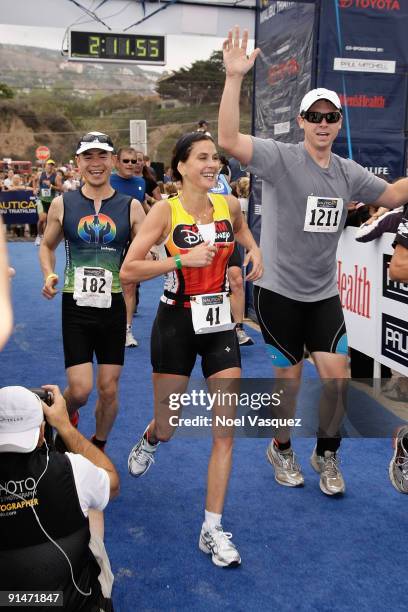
x: 202, y: 83
x: 6, y: 91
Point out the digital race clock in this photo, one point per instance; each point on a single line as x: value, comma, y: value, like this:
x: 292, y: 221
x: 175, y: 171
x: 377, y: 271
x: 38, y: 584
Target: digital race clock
x: 109, y: 47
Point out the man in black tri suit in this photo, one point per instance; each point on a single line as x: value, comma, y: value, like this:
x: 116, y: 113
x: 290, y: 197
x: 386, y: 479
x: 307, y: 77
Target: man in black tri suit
x: 96, y: 223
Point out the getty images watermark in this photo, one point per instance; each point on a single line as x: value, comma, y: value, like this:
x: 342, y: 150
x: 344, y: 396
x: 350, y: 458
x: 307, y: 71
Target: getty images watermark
x: 226, y: 402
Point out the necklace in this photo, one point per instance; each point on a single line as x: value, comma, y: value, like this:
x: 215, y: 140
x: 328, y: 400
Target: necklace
x: 200, y: 217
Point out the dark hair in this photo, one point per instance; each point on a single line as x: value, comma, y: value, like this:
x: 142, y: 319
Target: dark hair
x: 182, y: 150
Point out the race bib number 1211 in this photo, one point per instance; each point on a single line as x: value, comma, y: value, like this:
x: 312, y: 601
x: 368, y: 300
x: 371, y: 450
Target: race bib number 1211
x: 323, y: 214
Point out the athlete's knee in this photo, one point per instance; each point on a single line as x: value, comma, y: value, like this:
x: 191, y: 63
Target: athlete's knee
x: 223, y: 444
x: 108, y: 391
x: 235, y: 279
x: 79, y: 393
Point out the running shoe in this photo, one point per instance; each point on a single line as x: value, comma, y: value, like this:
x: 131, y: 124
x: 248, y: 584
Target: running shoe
x: 141, y: 457
x: 331, y: 479
x: 217, y: 543
x: 243, y: 338
x: 398, y: 469
x: 130, y: 339
x: 287, y: 470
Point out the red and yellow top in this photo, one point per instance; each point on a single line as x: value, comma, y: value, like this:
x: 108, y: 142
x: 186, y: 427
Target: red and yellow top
x: 185, y: 234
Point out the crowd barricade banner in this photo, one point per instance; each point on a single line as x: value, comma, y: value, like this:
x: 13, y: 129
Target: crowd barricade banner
x: 18, y: 207
x: 375, y: 308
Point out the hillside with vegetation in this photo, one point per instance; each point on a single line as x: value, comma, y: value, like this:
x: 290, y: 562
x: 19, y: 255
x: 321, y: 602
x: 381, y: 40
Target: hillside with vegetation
x: 57, y: 115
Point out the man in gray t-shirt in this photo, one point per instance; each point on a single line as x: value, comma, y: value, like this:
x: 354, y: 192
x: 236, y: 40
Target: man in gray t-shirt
x: 305, y: 192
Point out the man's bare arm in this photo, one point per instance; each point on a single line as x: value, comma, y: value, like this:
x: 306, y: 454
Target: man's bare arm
x: 399, y: 264
x: 5, y: 301
x: 394, y: 195
x: 52, y: 237
x: 137, y: 216
x: 57, y: 416
x: 237, y: 64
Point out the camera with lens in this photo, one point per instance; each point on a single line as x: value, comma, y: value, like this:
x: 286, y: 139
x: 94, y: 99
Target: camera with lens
x: 47, y: 398
x: 43, y: 394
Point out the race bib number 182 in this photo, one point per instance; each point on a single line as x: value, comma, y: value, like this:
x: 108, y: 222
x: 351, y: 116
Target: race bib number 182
x: 93, y: 287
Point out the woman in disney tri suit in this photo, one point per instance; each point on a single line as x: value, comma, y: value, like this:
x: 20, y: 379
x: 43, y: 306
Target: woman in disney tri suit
x: 195, y: 231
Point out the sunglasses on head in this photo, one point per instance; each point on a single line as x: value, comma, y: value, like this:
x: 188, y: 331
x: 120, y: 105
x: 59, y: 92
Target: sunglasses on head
x: 101, y: 138
x: 129, y: 161
x: 316, y: 117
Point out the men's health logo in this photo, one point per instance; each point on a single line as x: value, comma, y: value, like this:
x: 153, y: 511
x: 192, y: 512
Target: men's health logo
x: 97, y: 229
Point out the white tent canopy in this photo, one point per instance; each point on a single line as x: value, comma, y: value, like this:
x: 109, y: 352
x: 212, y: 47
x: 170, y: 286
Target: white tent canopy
x: 194, y: 17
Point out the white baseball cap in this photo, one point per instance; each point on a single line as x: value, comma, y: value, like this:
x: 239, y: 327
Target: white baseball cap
x: 95, y: 140
x: 319, y: 94
x: 21, y: 415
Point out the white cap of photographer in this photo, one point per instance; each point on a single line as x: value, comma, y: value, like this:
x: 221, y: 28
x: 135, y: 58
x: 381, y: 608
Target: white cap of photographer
x: 21, y: 416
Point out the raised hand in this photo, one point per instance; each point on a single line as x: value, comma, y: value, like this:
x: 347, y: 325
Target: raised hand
x: 236, y: 60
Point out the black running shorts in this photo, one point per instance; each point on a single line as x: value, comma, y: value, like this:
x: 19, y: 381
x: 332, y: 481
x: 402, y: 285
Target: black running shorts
x: 288, y: 326
x: 87, y: 330
x: 46, y: 206
x: 175, y: 346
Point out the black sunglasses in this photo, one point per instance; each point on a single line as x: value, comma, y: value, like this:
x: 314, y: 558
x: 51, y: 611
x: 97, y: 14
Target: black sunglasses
x: 129, y: 161
x: 316, y: 117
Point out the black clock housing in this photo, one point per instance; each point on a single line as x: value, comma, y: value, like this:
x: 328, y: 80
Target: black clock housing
x: 123, y: 47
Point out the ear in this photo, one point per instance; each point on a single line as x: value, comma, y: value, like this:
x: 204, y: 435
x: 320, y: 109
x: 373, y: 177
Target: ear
x: 301, y: 122
x: 181, y: 167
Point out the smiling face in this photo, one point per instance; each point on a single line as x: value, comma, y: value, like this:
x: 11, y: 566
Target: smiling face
x: 320, y: 136
x: 95, y: 166
x: 202, y: 165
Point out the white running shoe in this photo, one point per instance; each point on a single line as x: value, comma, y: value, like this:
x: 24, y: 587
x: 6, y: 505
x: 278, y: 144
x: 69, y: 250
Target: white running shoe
x: 398, y: 469
x: 130, y: 339
x: 37, y: 241
x: 141, y: 457
x: 287, y: 470
x: 217, y: 542
x: 331, y: 479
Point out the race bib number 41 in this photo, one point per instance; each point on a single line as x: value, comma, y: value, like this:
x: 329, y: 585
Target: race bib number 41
x: 323, y: 214
x: 93, y: 287
x: 211, y: 313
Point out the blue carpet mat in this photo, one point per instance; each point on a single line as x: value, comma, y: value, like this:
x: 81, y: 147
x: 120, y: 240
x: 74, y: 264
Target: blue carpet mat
x: 301, y: 550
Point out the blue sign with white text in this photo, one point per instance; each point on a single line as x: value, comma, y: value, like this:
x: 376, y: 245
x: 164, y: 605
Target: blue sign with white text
x: 18, y: 207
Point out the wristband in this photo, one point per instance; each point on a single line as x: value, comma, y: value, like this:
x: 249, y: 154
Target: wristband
x: 52, y: 275
x: 178, y: 261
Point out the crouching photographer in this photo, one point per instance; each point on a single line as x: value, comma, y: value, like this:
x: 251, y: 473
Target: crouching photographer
x: 51, y: 520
